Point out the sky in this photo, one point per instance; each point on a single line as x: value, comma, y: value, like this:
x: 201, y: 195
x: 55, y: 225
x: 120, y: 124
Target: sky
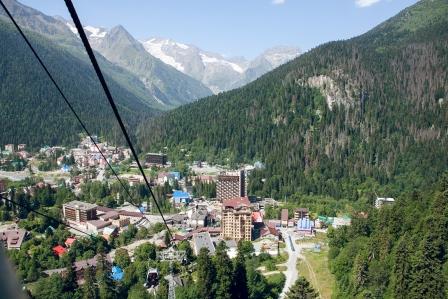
x: 234, y: 27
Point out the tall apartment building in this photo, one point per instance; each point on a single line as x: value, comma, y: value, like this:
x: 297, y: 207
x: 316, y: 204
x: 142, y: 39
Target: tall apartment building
x: 156, y: 159
x: 236, y: 219
x: 301, y: 213
x: 79, y: 211
x: 231, y: 186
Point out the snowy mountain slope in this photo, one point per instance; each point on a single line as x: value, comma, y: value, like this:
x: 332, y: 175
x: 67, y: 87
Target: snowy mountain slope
x: 219, y: 73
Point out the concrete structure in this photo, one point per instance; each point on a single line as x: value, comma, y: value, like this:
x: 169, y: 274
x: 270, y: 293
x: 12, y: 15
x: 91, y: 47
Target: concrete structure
x: 236, y: 219
x: 300, y: 213
x: 231, y: 186
x: 97, y: 226
x: 201, y: 240
x: 156, y: 159
x: 382, y: 201
x: 110, y: 231
x: 13, y: 238
x: 305, y: 225
x: 9, y: 148
x: 78, y: 211
x: 122, y: 222
x: 21, y: 147
x: 284, y: 218
x: 335, y: 222
x: 79, y: 268
x: 111, y: 215
x: 181, y: 198
x: 198, y: 218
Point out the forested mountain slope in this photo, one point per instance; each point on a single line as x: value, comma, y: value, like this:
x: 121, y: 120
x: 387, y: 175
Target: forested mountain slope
x: 396, y: 252
x: 160, y: 85
x: 31, y: 109
x: 166, y: 84
x: 368, y: 111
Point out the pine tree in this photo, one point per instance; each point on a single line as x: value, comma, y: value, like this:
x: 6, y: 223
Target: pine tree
x: 70, y: 283
x: 360, y: 270
x: 239, y: 284
x: 224, y: 272
x: 301, y: 289
x: 103, y: 276
x: 256, y: 284
x: 427, y: 280
x: 167, y: 239
x: 402, y: 269
x: 122, y: 258
x: 89, y: 290
x: 206, y: 275
x: 33, y: 273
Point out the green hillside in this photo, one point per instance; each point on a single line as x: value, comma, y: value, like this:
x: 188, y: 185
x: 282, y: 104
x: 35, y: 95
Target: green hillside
x: 31, y: 109
x: 386, y: 130
x: 397, y: 252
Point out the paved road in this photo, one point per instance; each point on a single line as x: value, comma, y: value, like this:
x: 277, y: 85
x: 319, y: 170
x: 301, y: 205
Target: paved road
x: 294, y: 252
x: 291, y: 272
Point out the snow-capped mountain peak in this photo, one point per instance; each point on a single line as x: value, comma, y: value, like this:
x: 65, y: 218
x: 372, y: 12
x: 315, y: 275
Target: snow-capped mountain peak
x: 95, y: 32
x: 91, y: 31
x: 165, y: 50
x: 206, y: 59
x: 280, y: 55
x: 71, y: 27
x: 217, y: 72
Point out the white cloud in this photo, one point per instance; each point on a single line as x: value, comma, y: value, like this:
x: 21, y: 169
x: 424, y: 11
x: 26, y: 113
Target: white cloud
x: 366, y: 3
x: 278, y: 2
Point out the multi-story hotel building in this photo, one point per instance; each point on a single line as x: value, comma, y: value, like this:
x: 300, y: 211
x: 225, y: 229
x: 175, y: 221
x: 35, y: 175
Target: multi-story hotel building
x: 156, y: 159
x: 236, y: 220
x: 78, y: 211
x: 231, y: 186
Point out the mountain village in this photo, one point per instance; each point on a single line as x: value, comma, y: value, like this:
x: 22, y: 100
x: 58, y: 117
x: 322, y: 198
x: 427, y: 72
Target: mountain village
x: 230, y: 215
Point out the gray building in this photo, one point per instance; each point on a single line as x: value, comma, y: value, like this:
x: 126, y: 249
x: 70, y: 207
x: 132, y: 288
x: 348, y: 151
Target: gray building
x: 203, y: 240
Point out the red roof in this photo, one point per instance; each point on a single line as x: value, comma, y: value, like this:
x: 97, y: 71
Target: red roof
x: 59, y: 250
x: 69, y: 241
x: 284, y: 216
x: 178, y: 237
x: 235, y: 202
x: 256, y: 217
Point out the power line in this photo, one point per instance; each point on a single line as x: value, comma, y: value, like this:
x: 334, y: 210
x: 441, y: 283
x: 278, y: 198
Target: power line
x: 89, y: 51
x: 68, y: 103
x: 42, y: 214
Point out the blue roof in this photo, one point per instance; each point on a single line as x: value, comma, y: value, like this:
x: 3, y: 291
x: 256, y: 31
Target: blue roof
x: 65, y: 168
x: 180, y: 194
x: 117, y: 273
x: 305, y: 224
x: 175, y: 174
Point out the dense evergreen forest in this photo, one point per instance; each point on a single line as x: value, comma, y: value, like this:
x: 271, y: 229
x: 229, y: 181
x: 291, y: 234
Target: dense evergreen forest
x: 398, y: 251
x: 387, y: 125
x: 31, y: 109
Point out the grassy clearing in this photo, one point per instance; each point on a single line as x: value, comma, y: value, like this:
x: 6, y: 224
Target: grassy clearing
x: 316, y: 270
x: 281, y: 268
x: 319, y: 238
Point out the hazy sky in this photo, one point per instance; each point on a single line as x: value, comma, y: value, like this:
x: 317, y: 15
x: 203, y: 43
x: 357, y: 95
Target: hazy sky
x: 234, y: 27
